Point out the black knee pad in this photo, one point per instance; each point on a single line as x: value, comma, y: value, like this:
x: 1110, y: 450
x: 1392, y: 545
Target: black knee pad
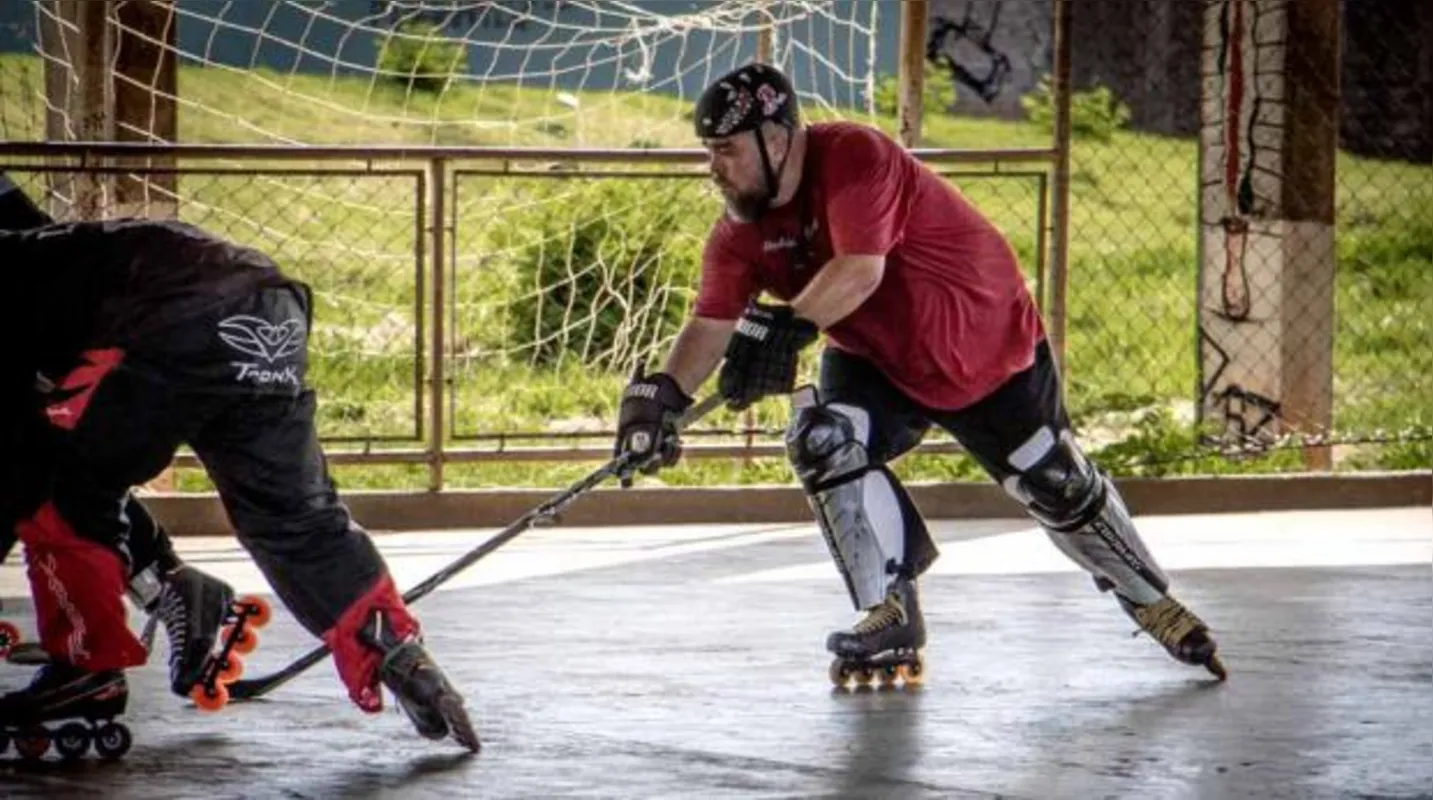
x: 1063, y: 489
x: 825, y: 448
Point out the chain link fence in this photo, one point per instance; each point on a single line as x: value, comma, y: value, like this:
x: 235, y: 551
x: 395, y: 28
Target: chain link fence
x: 1251, y: 257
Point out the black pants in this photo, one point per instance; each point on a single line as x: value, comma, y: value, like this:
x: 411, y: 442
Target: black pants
x: 28, y: 473
x: 231, y: 386
x: 989, y: 430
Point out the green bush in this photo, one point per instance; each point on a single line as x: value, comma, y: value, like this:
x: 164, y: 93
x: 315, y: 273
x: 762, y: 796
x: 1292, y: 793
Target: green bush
x: 418, y: 56
x: 602, y: 271
x: 937, y: 96
x: 1094, y: 113
x: 1156, y: 445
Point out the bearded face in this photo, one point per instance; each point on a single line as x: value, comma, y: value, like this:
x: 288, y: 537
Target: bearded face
x: 737, y: 171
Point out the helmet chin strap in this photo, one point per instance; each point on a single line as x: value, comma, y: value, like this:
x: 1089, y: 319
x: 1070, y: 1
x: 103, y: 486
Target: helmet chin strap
x: 773, y: 177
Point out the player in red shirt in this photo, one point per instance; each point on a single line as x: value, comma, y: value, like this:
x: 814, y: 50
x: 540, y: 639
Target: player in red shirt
x: 929, y: 323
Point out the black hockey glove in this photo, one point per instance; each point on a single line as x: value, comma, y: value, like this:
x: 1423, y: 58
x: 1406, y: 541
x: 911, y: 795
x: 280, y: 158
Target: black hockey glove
x: 647, y: 423
x: 761, y: 358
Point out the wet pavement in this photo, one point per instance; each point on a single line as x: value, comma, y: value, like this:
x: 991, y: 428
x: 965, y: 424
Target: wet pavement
x: 688, y: 662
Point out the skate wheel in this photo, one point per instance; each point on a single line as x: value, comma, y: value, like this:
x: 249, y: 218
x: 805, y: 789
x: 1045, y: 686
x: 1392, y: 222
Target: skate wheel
x: 889, y: 674
x: 232, y: 670
x: 9, y: 637
x: 112, y: 740
x: 33, y: 743
x: 840, y: 672
x: 913, y: 673
x: 207, y: 699
x: 243, y: 640
x: 257, y: 609
x: 72, y: 741
x: 865, y: 676
x: 1215, y: 666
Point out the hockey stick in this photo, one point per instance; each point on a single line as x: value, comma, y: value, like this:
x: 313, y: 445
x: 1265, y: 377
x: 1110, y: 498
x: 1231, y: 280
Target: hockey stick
x: 249, y: 689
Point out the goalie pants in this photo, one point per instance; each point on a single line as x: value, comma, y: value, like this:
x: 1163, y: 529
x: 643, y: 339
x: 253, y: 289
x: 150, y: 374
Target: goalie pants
x: 116, y: 421
x: 989, y: 430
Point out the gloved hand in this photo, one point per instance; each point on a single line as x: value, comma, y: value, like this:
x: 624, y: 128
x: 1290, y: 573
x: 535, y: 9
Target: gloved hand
x: 761, y: 358
x: 647, y: 423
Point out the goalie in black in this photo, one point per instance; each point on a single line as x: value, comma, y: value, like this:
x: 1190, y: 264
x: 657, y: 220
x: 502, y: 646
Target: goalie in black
x: 157, y: 334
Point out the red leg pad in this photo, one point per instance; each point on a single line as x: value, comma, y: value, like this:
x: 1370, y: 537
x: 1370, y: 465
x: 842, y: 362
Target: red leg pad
x: 78, y: 586
x: 358, y: 663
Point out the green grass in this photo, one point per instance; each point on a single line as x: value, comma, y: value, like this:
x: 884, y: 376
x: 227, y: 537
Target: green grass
x: 1131, y: 373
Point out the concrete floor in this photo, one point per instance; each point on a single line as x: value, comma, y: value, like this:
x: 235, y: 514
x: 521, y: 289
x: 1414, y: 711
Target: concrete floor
x: 688, y: 662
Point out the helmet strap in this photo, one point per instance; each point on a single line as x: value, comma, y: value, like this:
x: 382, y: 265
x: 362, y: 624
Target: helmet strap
x: 773, y: 177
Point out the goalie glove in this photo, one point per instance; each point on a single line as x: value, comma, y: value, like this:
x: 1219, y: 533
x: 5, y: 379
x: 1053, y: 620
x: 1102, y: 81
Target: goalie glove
x: 761, y: 357
x: 647, y: 423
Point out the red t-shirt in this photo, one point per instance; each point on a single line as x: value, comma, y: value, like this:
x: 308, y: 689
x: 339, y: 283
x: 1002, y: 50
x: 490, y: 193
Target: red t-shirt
x: 952, y: 318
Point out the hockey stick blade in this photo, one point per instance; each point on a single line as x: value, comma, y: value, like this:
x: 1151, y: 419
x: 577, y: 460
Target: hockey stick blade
x: 254, y: 688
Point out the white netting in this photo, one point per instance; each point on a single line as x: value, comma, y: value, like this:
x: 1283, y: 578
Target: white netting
x: 453, y: 72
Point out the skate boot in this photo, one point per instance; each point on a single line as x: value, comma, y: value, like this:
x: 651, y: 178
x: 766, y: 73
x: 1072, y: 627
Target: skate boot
x: 197, y: 611
x: 61, y: 692
x: 1179, y: 631
x: 420, y: 687
x: 885, y: 645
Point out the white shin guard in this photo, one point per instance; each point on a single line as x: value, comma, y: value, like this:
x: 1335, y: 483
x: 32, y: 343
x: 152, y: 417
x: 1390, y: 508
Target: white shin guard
x: 858, y: 506
x: 1083, y: 514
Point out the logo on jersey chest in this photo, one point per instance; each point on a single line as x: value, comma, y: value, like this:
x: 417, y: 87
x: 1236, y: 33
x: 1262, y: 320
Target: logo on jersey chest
x: 791, y: 242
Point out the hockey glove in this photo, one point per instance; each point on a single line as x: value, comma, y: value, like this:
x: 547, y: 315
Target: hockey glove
x: 647, y: 423
x: 761, y: 358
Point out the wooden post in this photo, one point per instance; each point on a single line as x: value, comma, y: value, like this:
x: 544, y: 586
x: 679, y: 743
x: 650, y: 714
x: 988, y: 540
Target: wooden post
x: 1267, y: 165
x: 76, y: 41
x: 1311, y: 84
x: 145, y: 87
x: 1059, y: 281
x: 764, y: 36
x: 912, y: 70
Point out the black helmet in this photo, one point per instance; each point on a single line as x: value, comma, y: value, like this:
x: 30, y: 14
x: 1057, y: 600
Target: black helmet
x: 743, y: 99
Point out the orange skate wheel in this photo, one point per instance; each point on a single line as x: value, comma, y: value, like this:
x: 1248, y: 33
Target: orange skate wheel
x: 260, y: 612
x: 33, y: 743
x: 9, y: 637
x: 232, y: 671
x: 865, y: 676
x: 888, y: 675
x: 839, y: 672
x: 245, y: 640
x: 210, y: 699
x: 913, y: 673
